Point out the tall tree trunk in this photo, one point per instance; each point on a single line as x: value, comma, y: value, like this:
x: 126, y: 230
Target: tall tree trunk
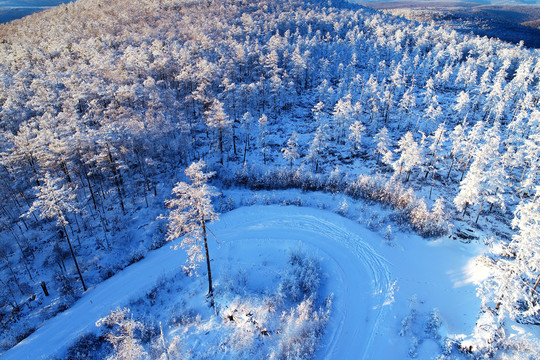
x: 535, y: 286
x: 245, y: 148
x: 16, y: 306
x: 220, y: 143
x: 162, y: 338
x: 13, y: 274
x: 210, y: 288
x: 465, y: 209
x: 116, y: 177
x: 432, y: 183
x: 74, y: 258
x: 479, y: 211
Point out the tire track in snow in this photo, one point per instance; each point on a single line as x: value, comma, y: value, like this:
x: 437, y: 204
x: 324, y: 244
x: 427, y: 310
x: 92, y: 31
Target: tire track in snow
x: 366, y: 255
x: 345, y: 242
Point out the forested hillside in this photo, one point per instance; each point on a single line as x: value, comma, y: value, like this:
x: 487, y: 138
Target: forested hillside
x: 98, y: 119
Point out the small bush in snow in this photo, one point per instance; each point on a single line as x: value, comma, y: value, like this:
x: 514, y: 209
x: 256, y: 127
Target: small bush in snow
x: 433, y: 325
x: 87, y: 347
x: 300, y: 331
x: 407, y: 323
x: 302, y: 279
x: 415, y: 342
x: 343, y: 208
x: 137, y: 254
x: 388, y: 236
x: 247, y: 319
x: 123, y: 335
x: 374, y: 222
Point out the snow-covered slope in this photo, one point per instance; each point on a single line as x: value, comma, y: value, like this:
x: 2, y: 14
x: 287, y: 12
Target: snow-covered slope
x: 371, y: 281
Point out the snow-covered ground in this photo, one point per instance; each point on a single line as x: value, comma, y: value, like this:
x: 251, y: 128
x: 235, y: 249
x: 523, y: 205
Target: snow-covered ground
x: 380, y: 291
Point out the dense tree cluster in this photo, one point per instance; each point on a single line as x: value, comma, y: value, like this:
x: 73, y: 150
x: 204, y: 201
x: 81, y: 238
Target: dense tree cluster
x: 95, y: 114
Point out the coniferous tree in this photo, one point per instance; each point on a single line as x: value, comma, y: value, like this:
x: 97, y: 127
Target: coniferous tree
x: 263, y: 132
x: 357, y: 129
x: 55, y: 201
x: 246, y: 124
x: 290, y: 152
x: 383, y: 143
x: 410, y: 155
x: 217, y: 120
x: 191, y: 211
x: 318, y: 146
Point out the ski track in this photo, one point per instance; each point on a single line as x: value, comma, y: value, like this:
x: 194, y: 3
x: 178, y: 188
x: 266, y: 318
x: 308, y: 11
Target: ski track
x: 361, y: 283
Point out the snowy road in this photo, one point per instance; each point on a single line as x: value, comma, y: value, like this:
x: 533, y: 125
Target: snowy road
x: 357, y: 275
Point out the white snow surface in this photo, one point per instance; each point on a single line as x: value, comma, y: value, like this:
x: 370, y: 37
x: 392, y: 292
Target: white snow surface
x: 371, y: 281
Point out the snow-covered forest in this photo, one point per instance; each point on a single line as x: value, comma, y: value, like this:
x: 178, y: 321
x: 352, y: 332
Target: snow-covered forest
x: 99, y: 119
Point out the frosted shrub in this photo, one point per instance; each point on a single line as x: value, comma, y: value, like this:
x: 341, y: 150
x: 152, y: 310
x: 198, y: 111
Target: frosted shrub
x: 487, y: 336
x: 301, y: 329
x: 407, y: 322
x: 86, y: 347
x: 404, y: 198
x: 235, y: 283
x: 336, y: 181
x: 388, y: 236
x: 137, y: 254
x: 415, y: 342
x: 343, y: 208
x: 419, y: 214
x: 123, y: 334
x: 247, y: 319
x: 375, y: 188
x: 433, y: 325
x: 302, y: 279
x: 374, y: 222
x: 226, y: 204
x: 158, y: 237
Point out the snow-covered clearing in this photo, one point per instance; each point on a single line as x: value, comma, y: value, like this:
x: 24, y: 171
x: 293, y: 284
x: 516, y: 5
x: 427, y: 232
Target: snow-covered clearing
x: 375, y: 286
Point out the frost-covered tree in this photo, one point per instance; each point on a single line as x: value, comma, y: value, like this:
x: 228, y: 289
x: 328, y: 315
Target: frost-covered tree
x: 458, y: 138
x: 435, y: 148
x: 318, y: 146
x: 512, y: 287
x: 56, y: 201
x: 432, y: 112
x: 191, y: 211
x: 439, y: 216
x: 290, y: 152
x: 217, y: 119
x: 408, y: 100
x: 462, y: 102
x: 526, y: 245
x: 357, y: 129
x: 410, y: 155
x: 318, y: 113
x: 5, y: 250
x: 247, y: 119
x: 470, y: 146
x: 470, y: 188
x: 383, y: 143
x: 528, y: 157
x: 263, y: 132
x: 343, y: 116
x: 486, y: 178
